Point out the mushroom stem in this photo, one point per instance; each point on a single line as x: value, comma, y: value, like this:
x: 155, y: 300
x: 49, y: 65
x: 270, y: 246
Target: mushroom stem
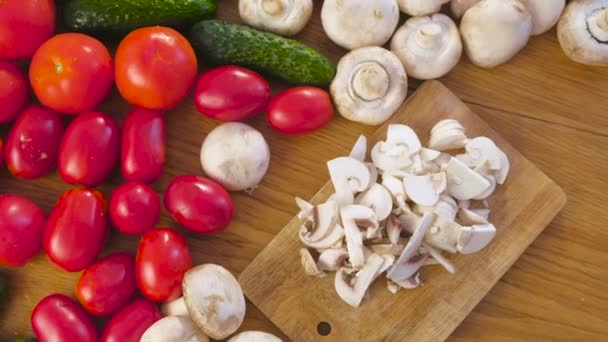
x: 369, y: 81
x: 429, y: 35
x: 600, y: 18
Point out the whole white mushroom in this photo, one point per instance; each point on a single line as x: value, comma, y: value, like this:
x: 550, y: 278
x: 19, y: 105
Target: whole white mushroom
x: 236, y: 156
x: 420, y: 8
x: 545, y: 13
x: 284, y: 17
x: 583, y: 31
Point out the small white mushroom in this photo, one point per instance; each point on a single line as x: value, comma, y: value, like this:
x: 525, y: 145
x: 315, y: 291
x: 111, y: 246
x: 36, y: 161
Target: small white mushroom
x: 214, y: 299
x: 493, y: 31
x: 254, y: 336
x: 428, y: 47
x: 464, y: 183
x: 582, y: 31
x: 309, y: 265
x: 359, y: 149
x: 351, y: 285
x: 332, y: 259
x: 446, y: 135
x: 354, y: 24
x: 370, y: 83
x: 176, y: 307
x: 425, y: 190
x: 377, y: 198
x: 458, y: 7
x: 545, y: 13
x: 474, y: 238
x: 284, y: 17
x: 348, y: 176
x: 174, y: 329
x: 418, y: 8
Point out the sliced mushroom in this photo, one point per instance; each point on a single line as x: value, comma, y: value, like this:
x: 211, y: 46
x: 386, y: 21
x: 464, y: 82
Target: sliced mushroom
x: 490, y: 190
x: 403, y: 135
x: 359, y: 149
x: 459, y: 7
x: 351, y: 285
x: 373, y: 174
x: 446, y: 208
x: 468, y: 217
x: 324, y: 219
x: 396, y: 188
x: 309, y: 264
x: 440, y: 258
x: 370, y: 82
x: 306, y: 209
x: 176, y: 307
x: 474, y: 238
x: 544, y: 13
x: 425, y: 190
x: 493, y: 31
x: 214, y: 299
x: 409, y: 221
x: 443, y: 235
x: 393, y: 229
x: 409, y: 283
x: 354, y: 24
x: 464, y: 183
x: 428, y: 47
x: 284, y: 17
x: 481, y: 150
x: 396, y: 272
x: 332, y: 239
x: 254, y: 336
x: 174, y: 329
x: 428, y: 155
x: 417, y: 8
x: 354, y: 238
x: 332, y: 259
x: 582, y: 31
x: 501, y: 175
x: 378, y: 199
x: 348, y: 176
x: 389, y: 260
x: 407, y: 269
x: 390, y: 158
x: 447, y: 135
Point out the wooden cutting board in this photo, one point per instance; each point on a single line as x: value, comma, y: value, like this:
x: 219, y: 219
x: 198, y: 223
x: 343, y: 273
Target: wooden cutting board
x: 305, y: 308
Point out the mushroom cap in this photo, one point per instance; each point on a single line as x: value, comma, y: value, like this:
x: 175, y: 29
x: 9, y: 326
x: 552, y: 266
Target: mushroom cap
x: 176, y: 307
x: 582, y: 31
x: 420, y: 7
x: 428, y: 47
x: 493, y: 31
x: 214, y: 299
x: 446, y: 135
x: 285, y: 17
x: 459, y: 7
x: 174, y: 329
x: 545, y: 13
x: 370, y: 84
x: 354, y: 24
x: 254, y: 336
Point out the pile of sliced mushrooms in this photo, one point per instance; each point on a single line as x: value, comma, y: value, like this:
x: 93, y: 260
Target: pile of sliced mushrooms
x: 403, y: 210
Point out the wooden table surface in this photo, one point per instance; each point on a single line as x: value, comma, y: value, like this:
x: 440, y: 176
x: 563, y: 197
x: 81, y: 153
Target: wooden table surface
x: 552, y: 110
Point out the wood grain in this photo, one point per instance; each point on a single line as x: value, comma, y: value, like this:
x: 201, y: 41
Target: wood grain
x: 555, y: 291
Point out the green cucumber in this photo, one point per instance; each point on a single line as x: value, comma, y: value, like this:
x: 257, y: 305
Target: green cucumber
x: 227, y: 43
x: 122, y: 16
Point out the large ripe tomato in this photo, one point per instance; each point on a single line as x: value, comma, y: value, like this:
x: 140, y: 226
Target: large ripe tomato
x: 142, y: 155
x: 21, y: 230
x: 89, y: 149
x: 300, y: 110
x: 107, y: 285
x: 71, y: 73
x: 162, y: 260
x: 199, y: 204
x: 134, y: 208
x: 60, y: 318
x: 155, y: 67
x: 130, y: 323
x: 14, y: 91
x: 76, y: 229
x: 33, y: 143
x: 231, y: 93
x: 24, y: 25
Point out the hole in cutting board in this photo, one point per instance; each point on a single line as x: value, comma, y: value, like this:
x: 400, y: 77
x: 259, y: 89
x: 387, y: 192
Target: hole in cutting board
x: 324, y: 328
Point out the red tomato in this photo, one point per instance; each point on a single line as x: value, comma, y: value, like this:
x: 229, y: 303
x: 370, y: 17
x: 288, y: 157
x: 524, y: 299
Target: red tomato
x: 24, y: 25
x: 199, y: 204
x: 33, y: 143
x: 162, y: 260
x: 143, y: 146
x: 76, y: 229
x: 107, y: 285
x: 130, y: 323
x: 300, y: 110
x: 231, y: 93
x: 59, y: 318
x: 71, y: 73
x: 155, y: 67
x: 89, y: 149
x: 21, y: 230
x: 14, y: 90
x: 134, y: 208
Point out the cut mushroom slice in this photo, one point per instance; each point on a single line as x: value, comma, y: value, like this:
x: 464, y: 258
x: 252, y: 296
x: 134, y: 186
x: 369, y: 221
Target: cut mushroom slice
x: 446, y: 208
x: 332, y: 259
x: 309, y: 265
x: 544, y: 13
x: 482, y: 150
x: 474, y: 238
x: 425, y: 189
x: 174, y: 329
x: 468, y: 217
x: 490, y: 190
x: 306, y: 209
x: 407, y: 269
x: 378, y: 199
x: 397, y: 190
x: 582, y: 31
x: 428, y: 47
x: 176, y: 307
x: 348, y: 176
x: 447, y: 135
x: 393, y: 229
x: 354, y: 237
x: 284, y: 17
x: 409, y: 222
x: 370, y: 83
x: 435, y: 254
x: 396, y: 272
x: 417, y: 8
x: 324, y: 219
x: 501, y: 175
x: 354, y: 24
x: 408, y: 283
x: 428, y: 155
x: 332, y: 239
x: 464, y: 183
x: 390, y: 158
x: 351, y: 285
x: 389, y: 260
x: 402, y: 135
x: 373, y: 174
x: 443, y: 235
x: 359, y: 149
x: 254, y: 336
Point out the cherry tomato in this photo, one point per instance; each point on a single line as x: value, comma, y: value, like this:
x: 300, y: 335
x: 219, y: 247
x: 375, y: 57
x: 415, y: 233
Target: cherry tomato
x: 21, y: 230
x: 300, y: 110
x: 107, y: 285
x: 130, y: 323
x: 231, y: 93
x: 71, y: 73
x: 14, y: 90
x: 155, y: 67
x: 24, y: 25
x: 76, y: 229
x: 134, y: 208
x: 89, y: 149
x: 59, y: 318
x: 143, y: 146
x: 162, y: 260
x: 33, y: 143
